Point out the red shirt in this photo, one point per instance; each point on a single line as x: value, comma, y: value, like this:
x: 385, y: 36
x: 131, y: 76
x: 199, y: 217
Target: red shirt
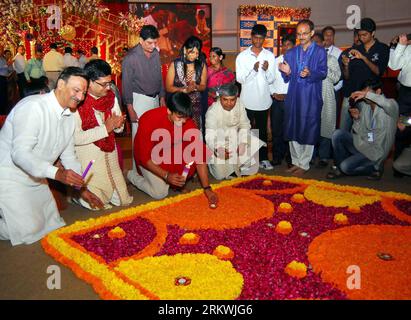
x: 167, y: 145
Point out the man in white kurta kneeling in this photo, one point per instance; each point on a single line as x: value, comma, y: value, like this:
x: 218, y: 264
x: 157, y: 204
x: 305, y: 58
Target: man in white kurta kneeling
x: 228, y: 134
x: 37, y: 132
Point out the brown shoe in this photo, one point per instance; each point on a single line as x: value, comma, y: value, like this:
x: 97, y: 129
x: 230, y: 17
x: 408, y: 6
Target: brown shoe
x: 292, y: 169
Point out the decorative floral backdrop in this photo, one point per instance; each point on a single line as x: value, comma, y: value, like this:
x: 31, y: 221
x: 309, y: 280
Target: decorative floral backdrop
x: 272, y: 17
x: 110, y: 26
x: 80, y: 24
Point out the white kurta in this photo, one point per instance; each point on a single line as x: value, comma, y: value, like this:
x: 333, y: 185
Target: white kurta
x: 105, y: 178
x: 329, y: 109
x: 36, y: 133
x: 228, y: 129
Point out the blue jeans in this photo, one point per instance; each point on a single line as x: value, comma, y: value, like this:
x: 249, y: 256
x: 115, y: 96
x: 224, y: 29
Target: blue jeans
x: 324, y: 148
x: 347, y: 158
x: 345, y: 117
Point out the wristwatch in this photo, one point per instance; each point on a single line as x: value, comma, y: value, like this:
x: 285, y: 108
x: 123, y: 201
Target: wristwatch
x: 207, y: 188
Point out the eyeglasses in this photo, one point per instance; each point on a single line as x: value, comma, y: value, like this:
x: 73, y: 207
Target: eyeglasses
x: 104, y: 85
x: 303, y: 34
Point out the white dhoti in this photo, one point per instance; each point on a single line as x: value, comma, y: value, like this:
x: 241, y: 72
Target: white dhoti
x: 245, y: 165
x: 301, y: 154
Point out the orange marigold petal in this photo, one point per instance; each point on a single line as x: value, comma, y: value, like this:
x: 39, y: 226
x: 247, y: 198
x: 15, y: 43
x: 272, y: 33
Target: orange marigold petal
x: 223, y: 253
x: 189, y: 238
x: 284, y: 227
x: 296, y: 269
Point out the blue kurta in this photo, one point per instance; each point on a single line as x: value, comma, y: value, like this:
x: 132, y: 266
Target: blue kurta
x: 304, y: 98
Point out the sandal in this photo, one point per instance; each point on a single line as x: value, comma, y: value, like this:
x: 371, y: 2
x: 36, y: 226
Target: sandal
x: 335, y: 173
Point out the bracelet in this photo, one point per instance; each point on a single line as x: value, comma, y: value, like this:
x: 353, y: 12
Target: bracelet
x: 166, y: 176
x: 207, y: 188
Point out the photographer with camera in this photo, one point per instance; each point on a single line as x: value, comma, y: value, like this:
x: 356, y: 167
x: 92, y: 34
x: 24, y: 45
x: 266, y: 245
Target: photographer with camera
x: 363, y: 150
x: 400, y: 59
x: 365, y: 61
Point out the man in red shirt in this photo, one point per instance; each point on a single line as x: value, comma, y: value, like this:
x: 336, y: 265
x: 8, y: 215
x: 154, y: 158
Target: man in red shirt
x: 167, y: 143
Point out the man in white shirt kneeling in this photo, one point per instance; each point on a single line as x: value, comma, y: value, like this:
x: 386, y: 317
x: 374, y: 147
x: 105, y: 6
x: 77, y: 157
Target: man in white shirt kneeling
x: 228, y: 134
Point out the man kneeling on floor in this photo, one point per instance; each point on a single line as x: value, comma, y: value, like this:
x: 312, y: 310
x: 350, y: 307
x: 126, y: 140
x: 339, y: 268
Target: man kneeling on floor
x: 165, y: 141
x: 363, y: 150
x: 228, y: 133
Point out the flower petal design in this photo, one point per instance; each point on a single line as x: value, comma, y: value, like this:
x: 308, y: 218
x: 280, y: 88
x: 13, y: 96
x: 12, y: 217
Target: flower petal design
x: 334, y: 252
x: 210, y: 277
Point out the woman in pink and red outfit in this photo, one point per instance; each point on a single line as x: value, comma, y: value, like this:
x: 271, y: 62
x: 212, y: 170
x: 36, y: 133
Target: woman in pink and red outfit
x: 217, y: 74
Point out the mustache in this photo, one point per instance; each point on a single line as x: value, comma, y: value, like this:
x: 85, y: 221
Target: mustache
x: 75, y: 99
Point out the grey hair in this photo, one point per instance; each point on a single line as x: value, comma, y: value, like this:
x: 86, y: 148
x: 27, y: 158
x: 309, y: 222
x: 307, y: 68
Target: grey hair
x: 228, y: 90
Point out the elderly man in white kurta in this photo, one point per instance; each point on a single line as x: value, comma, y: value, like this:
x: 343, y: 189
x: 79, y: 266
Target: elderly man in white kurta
x: 228, y: 134
x: 37, y: 132
x: 97, y: 120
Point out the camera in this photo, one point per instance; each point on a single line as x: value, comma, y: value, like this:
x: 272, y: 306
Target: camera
x: 405, y: 120
x: 352, y: 103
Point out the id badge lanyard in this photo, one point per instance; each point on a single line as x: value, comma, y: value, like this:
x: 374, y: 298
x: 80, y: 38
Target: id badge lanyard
x: 371, y: 133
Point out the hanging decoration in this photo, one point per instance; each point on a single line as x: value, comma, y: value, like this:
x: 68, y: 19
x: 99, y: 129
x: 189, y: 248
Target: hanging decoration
x: 68, y: 32
x: 131, y: 23
x: 88, y: 9
x: 279, y: 12
x: 10, y: 10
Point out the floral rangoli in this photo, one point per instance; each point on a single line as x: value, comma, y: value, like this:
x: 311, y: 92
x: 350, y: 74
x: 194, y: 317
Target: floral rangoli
x: 270, y: 238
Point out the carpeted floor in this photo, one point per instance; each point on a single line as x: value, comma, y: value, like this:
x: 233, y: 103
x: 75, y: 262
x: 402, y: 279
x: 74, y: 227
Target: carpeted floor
x: 24, y: 269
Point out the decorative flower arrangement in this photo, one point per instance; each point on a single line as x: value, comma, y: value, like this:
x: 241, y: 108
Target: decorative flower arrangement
x: 284, y: 227
x: 285, y: 207
x: 298, y: 198
x: 340, y: 218
x: 131, y: 22
x: 267, y: 183
x: 122, y: 268
x: 296, y: 269
x: 354, y: 209
x: 116, y: 233
x: 89, y: 9
x: 189, y: 238
x: 329, y: 197
x: 279, y: 12
x: 223, y: 253
x: 10, y: 10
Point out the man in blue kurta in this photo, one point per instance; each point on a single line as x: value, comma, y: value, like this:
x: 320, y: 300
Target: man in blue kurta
x: 304, y: 67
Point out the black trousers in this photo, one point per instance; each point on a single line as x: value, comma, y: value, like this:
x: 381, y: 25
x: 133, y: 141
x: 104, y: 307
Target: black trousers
x: 404, y: 100
x: 281, y: 147
x: 4, y: 105
x: 258, y: 120
x: 22, y: 83
x: 403, y: 139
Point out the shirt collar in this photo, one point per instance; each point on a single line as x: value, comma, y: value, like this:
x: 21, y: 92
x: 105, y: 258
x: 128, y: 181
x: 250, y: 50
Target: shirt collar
x: 252, y: 53
x: 58, y: 109
x: 140, y: 51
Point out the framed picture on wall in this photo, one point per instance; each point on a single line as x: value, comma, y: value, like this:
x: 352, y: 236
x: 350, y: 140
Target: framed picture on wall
x: 175, y: 23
